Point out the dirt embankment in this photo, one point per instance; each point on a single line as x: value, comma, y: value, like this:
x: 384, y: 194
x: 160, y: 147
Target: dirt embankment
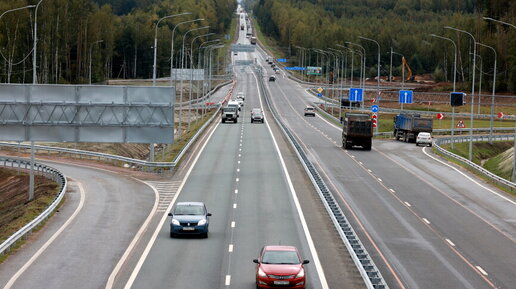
x: 15, y: 209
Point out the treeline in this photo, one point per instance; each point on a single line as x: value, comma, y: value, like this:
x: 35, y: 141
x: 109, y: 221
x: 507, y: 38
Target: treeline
x: 404, y: 25
x: 119, y: 41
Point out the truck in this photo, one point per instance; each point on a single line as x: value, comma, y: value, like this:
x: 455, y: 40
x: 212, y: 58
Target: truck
x: 253, y: 40
x: 241, y: 26
x: 357, y: 130
x: 408, y: 126
x: 230, y: 113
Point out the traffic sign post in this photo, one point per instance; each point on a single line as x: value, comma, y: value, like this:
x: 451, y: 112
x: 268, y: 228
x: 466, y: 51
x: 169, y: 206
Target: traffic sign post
x: 405, y: 96
x: 356, y: 94
x: 375, y: 108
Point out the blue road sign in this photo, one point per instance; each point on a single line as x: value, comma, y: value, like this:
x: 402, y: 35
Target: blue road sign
x: 281, y: 60
x: 375, y: 108
x: 294, y: 68
x: 405, y: 96
x: 356, y: 94
x: 319, y: 95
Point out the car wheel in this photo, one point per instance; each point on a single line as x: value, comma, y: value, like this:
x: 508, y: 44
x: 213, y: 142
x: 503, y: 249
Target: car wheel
x: 223, y: 121
x: 251, y: 120
x: 205, y: 235
x: 236, y: 120
x: 172, y: 235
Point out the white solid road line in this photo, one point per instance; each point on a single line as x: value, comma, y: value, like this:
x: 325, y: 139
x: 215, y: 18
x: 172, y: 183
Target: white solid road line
x: 228, y: 280
x: 308, y: 236
x: 481, y: 270
x: 49, y: 242
x: 145, y: 253
x: 143, y: 228
x: 469, y: 178
x: 450, y: 242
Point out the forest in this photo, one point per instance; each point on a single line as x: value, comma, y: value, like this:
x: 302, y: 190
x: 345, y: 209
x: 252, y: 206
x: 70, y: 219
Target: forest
x: 118, y: 34
x: 403, y: 25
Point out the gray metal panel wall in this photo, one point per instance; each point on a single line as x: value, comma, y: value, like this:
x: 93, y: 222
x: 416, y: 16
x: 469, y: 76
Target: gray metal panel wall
x: 86, y: 113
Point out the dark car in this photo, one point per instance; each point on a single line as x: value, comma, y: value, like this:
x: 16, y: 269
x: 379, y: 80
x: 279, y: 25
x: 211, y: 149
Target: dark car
x: 272, y: 78
x: 256, y: 115
x: 280, y: 266
x: 189, y: 218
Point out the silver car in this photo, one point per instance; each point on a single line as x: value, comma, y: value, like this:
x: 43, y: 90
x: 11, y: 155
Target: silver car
x: 424, y: 138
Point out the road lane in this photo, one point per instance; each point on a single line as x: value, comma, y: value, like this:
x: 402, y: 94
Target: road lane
x: 398, y: 231
x: 82, y: 256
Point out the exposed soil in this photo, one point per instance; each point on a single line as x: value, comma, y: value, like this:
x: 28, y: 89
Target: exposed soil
x: 15, y: 209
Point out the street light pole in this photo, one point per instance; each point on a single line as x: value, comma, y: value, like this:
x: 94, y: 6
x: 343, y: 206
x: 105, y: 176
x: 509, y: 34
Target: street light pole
x: 182, y: 68
x: 454, y: 80
x: 378, y: 96
x: 156, y: 43
x: 191, y: 76
x: 362, y: 68
x: 493, y: 93
x: 501, y: 22
x: 470, y: 154
x: 31, y: 174
x: 172, y: 46
x: 91, y: 46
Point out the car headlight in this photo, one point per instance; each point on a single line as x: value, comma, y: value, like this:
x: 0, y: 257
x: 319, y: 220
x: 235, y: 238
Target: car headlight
x: 261, y: 273
x: 201, y: 222
x: 301, y: 273
x: 175, y: 222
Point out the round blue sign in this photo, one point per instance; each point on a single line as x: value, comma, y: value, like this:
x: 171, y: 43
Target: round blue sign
x: 375, y: 108
x: 319, y: 95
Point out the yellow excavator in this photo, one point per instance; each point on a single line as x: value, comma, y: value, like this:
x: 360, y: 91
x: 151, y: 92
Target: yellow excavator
x: 405, y: 64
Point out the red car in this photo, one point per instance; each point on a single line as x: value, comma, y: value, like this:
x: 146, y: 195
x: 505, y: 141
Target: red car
x: 280, y: 266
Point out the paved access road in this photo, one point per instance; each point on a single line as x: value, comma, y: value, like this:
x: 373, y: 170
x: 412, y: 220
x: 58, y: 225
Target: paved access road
x: 425, y: 224
x: 109, y: 210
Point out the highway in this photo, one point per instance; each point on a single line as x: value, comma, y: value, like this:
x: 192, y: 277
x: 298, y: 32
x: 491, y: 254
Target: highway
x: 425, y: 224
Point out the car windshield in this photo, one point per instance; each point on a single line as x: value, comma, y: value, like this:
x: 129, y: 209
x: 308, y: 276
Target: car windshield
x: 257, y: 110
x: 229, y: 109
x: 309, y: 108
x: 280, y: 257
x: 189, y: 210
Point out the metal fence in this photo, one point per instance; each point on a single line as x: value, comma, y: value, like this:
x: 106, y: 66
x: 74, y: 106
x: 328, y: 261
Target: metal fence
x: 42, y: 170
x: 477, y: 138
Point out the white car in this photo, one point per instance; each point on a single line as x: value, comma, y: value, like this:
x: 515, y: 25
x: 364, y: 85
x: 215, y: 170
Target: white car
x: 241, y: 95
x: 424, y: 138
x: 234, y: 103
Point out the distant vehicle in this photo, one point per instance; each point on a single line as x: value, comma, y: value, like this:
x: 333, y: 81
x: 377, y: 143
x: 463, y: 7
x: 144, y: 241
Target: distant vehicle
x: 408, y: 126
x: 230, y: 114
x: 272, y: 78
x: 242, y: 27
x: 257, y: 115
x: 241, y: 95
x: 189, y: 218
x: 253, y: 40
x: 280, y: 266
x: 357, y: 130
x: 309, y: 110
x: 240, y: 102
x: 234, y: 103
x: 424, y: 138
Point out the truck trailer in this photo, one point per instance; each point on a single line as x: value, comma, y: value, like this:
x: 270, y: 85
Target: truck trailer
x: 357, y: 130
x: 408, y: 126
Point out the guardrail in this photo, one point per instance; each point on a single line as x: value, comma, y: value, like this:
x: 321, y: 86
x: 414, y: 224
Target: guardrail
x: 439, y: 141
x: 368, y: 270
x: 42, y: 170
